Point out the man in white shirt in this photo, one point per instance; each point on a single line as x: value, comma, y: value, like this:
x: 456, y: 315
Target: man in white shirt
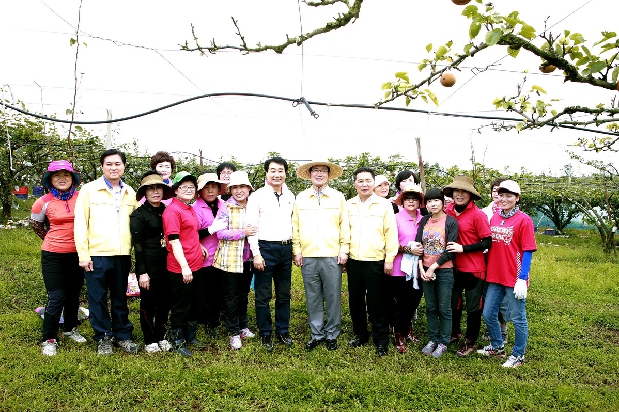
x: 270, y: 210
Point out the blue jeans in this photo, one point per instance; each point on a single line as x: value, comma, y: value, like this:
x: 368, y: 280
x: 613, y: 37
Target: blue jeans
x: 516, y: 311
x: 438, y: 305
x: 277, y: 271
x: 109, y: 274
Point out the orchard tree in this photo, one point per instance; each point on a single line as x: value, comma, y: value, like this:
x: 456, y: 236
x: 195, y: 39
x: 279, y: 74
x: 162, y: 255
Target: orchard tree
x: 590, y: 62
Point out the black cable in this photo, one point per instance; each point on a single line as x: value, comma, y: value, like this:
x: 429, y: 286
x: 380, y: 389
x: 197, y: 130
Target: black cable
x: 295, y: 102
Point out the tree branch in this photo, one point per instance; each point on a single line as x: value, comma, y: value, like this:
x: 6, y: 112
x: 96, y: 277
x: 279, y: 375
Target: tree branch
x: 341, y: 20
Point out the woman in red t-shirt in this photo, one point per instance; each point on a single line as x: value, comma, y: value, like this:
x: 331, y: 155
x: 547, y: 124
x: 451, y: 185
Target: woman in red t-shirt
x: 52, y: 220
x: 185, y: 257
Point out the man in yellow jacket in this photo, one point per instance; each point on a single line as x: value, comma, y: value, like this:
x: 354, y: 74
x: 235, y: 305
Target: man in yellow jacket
x: 320, y: 242
x: 373, y: 247
x: 103, y: 243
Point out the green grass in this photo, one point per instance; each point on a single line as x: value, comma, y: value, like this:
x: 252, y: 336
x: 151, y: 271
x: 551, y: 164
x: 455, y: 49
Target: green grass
x: 572, y: 359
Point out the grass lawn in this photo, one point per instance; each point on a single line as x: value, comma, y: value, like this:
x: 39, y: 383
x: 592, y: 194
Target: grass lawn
x: 572, y: 361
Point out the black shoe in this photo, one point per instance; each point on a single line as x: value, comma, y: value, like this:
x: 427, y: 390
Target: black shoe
x: 312, y: 344
x: 381, y: 350
x: 331, y: 344
x: 285, y: 339
x: 267, y: 342
x: 357, y: 341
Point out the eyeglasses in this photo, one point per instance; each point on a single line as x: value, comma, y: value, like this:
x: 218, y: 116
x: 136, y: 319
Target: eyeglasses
x: 320, y: 170
x: 187, y: 188
x: 410, y: 199
x: 226, y: 172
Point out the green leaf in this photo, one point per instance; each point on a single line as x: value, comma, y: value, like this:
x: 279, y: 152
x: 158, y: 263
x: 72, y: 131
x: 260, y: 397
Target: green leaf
x: 425, y: 99
x: 469, y: 11
x: 387, y: 86
x: 474, y: 29
x: 441, y: 52
x: 597, y: 67
x: 586, y: 50
x: 519, y: 126
x: 403, y: 76
x: 577, y: 38
x: 72, y: 41
x: 615, y: 74
x: 408, y: 100
x: 79, y: 128
x: 510, y: 21
x: 387, y: 94
x: 432, y: 96
x: 513, y: 52
x: 422, y: 66
x: 553, y: 112
x: 68, y: 111
x: 467, y: 48
x: 449, y: 43
x: 429, y: 47
x: 528, y: 32
x: 493, y: 37
x: 537, y: 88
x: 582, y: 61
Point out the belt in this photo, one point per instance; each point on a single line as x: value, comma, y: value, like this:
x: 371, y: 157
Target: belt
x: 277, y: 242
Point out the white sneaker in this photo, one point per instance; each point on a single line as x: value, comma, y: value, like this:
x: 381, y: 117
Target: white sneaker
x: 75, y: 335
x: 165, y: 345
x: 246, y: 333
x: 152, y: 348
x: 48, y: 348
x: 235, y: 342
x: 127, y: 345
x: 513, y: 361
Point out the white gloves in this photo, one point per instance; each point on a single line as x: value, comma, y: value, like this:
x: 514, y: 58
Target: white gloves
x: 216, y: 226
x: 520, y: 289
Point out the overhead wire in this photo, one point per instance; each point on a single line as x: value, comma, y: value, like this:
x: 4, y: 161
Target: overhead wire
x: 295, y: 101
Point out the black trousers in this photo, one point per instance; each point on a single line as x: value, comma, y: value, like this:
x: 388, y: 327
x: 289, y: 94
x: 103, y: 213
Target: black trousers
x: 155, y: 307
x: 236, y: 291
x: 63, y: 278
x: 186, y: 299
x: 368, y: 279
x: 403, y: 301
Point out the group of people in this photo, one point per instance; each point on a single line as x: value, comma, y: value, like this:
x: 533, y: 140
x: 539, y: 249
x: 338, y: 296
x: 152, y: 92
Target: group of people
x: 199, y: 240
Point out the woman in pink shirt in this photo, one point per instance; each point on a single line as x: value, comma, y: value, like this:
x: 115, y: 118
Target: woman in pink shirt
x: 404, y: 290
x: 52, y: 220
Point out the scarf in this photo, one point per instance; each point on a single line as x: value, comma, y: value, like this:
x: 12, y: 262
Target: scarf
x: 510, y: 214
x: 62, y: 195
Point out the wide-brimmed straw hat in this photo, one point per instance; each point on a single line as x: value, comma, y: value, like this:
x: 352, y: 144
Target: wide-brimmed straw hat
x: 462, y: 182
x: 239, y: 178
x: 411, y: 188
x: 56, y: 166
x: 205, y: 178
x: 335, y: 171
x: 151, y: 180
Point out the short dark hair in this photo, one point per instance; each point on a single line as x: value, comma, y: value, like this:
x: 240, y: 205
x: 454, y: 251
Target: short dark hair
x: 434, y: 193
x: 364, y: 170
x: 277, y: 160
x: 112, y: 152
x: 496, y: 182
x: 223, y: 165
x: 161, y: 157
x: 403, y: 175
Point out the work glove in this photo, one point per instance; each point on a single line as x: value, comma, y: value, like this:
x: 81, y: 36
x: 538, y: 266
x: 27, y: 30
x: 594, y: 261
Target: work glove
x: 520, y: 289
x: 216, y: 226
